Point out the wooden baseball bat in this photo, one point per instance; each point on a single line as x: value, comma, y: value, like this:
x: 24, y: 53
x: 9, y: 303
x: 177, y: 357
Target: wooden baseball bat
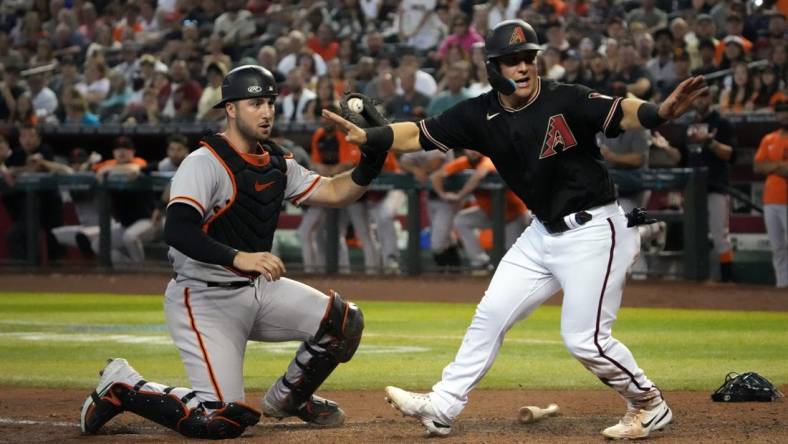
x: 531, y: 413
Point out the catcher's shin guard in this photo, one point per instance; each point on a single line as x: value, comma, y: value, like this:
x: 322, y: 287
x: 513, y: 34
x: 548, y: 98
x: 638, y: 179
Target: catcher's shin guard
x: 336, y: 341
x: 226, y: 421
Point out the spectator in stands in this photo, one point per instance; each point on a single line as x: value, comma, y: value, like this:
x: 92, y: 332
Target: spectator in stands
x: 147, y: 112
x: 709, y: 142
x: 573, y: 68
x: 216, y: 53
x: 706, y: 62
x: 703, y: 31
x: 68, y: 76
x: 463, y: 35
x: 294, y: 104
x: 44, y: 99
x: 77, y: 111
x: 27, y: 32
x: 779, y: 60
x: 733, y: 53
x: 10, y: 91
x: 770, y: 92
x: 631, y: 72
x: 117, y: 99
x: 33, y: 157
x: 290, y: 48
x: 384, y: 88
x: 23, y: 113
x: 660, y: 67
x: 349, y: 19
x: 182, y: 94
x: 741, y: 95
x: 95, y: 87
x: 326, y: 96
x: 9, y: 56
x: 455, y: 91
x: 348, y: 52
x: 89, y: 21
x: 550, y: 66
x: 653, y: 17
x: 236, y: 26
x: 679, y: 29
x: 306, y: 64
x: 599, y: 78
x: 44, y: 54
x: 129, y: 67
x: 129, y: 25
x: 67, y: 40
x: 556, y: 38
x: 469, y: 221
x: 771, y: 159
x: 103, y: 42
x: 6, y: 177
x: 131, y: 209
x: 774, y: 35
x: 735, y: 29
x: 212, y: 93
x: 268, y: 58
x: 324, y: 42
x: 418, y: 24
x: 410, y: 105
x: 681, y: 63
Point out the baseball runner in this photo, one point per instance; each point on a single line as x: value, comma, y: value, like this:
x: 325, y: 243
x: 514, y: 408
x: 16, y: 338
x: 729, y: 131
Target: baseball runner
x: 228, y: 289
x: 772, y: 159
x: 540, y: 136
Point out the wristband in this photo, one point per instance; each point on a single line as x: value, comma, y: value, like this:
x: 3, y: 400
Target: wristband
x: 380, y: 138
x: 363, y: 174
x: 648, y: 115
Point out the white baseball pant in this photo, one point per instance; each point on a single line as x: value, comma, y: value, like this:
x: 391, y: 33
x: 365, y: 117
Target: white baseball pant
x: 776, y: 219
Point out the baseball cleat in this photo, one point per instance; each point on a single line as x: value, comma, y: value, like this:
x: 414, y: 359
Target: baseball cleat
x: 103, y: 405
x: 317, y: 411
x: 639, y: 423
x: 420, y: 407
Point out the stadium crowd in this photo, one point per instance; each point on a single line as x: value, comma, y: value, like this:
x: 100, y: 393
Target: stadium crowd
x: 162, y: 61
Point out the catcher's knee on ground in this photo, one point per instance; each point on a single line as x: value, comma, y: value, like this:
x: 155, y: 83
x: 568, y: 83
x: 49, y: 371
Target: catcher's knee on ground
x: 225, y: 421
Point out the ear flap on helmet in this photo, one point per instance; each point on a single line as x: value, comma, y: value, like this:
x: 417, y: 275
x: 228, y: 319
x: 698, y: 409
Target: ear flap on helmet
x: 497, y: 80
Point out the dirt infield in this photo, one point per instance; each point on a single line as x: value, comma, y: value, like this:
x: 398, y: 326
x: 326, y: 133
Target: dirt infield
x: 46, y: 415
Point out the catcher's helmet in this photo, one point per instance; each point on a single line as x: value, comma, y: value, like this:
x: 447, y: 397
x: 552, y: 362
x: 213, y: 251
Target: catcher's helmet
x: 247, y: 82
x: 507, y: 37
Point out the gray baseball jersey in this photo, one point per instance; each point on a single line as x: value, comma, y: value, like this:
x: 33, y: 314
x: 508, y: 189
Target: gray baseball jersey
x: 203, y: 183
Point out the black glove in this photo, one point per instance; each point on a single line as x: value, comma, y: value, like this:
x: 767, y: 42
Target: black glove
x: 369, y: 116
x: 638, y: 216
x: 372, y: 158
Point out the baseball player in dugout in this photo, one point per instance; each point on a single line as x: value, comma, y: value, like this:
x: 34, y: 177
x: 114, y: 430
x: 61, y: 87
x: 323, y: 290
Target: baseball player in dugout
x: 540, y: 135
x: 229, y: 289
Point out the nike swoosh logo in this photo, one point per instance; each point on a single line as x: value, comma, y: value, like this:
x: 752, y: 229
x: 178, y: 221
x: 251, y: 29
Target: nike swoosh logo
x: 646, y: 424
x: 491, y: 116
x: 262, y: 186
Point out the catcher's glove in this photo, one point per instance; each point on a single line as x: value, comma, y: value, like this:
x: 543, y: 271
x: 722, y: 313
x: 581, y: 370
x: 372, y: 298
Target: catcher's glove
x: 748, y: 386
x: 638, y: 216
x: 369, y: 115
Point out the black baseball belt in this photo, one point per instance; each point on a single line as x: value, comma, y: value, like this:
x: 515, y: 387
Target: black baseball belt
x: 559, y: 226
x: 227, y: 284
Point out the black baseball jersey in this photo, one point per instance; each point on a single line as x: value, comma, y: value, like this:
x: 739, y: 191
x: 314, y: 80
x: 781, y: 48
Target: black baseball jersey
x: 545, y: 151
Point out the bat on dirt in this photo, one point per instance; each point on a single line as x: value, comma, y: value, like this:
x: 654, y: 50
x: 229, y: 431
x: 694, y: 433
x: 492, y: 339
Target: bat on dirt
x: 531, y: 413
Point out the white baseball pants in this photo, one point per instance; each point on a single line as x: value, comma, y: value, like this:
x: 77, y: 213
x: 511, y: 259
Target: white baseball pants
x: 590, y: 264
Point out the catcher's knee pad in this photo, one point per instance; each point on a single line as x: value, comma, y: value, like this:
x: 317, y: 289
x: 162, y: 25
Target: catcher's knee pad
x: 344, y: 323
x: 226, y: 421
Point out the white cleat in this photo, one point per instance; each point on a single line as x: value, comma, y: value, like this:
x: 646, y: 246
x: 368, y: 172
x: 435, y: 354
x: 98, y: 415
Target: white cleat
x: 639, y: 423
x: 418, y: 406
x: 102, y: 405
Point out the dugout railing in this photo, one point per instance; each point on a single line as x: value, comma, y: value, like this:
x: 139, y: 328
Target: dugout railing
x: 691, y: 182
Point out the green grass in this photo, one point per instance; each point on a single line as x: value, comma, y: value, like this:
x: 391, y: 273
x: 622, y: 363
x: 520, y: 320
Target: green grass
x: 51, y: 340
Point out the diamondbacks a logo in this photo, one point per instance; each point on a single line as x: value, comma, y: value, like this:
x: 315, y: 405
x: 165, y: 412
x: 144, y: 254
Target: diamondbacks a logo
x: 517, y: 36
x: 558, y: 135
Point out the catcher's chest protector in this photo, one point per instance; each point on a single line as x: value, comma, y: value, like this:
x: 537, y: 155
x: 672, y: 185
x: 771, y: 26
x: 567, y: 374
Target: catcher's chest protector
x: 248, y: 222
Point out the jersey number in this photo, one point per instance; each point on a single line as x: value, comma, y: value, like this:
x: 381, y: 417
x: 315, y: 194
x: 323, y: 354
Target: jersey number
x: 558, y: 135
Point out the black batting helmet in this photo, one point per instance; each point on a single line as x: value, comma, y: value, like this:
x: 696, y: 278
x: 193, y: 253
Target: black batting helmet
x: 247, y: 82
x: 507, y: 37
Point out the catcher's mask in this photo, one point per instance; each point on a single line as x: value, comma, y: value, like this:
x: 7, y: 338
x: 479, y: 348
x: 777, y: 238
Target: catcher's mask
x: 247, y: 82
x: 507, y: 37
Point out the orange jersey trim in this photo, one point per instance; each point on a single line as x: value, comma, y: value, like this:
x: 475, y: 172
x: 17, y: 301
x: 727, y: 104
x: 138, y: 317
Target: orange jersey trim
x: 297, y: 200
x: 189, y: 199
x: 235, y: 187
x: 193, y: 324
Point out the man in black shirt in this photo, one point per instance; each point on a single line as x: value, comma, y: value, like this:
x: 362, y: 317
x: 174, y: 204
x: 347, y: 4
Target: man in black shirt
x: 541, y: 137
x: 709, y: 142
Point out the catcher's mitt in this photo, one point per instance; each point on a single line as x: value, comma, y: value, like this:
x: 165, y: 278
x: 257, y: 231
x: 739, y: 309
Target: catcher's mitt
x: 748, y: 386
x: 369, y: 115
